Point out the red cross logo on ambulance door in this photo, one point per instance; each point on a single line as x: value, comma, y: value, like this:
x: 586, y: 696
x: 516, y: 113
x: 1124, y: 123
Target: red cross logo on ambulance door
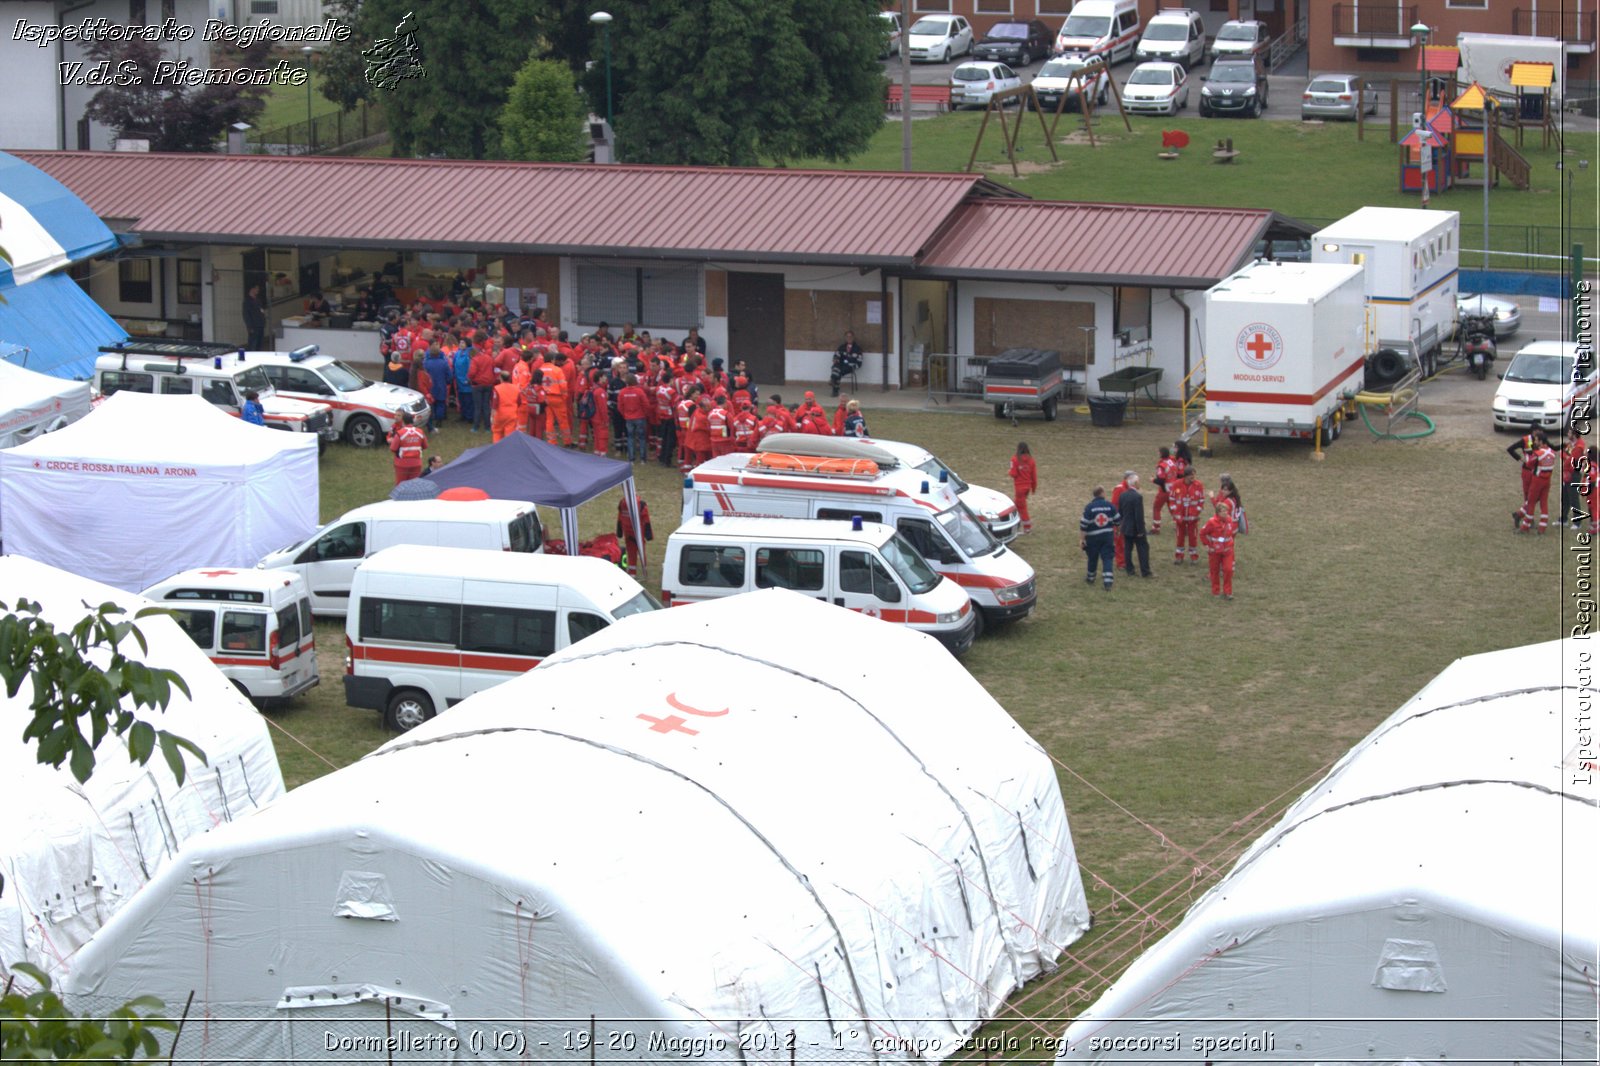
x: 1259, y: 346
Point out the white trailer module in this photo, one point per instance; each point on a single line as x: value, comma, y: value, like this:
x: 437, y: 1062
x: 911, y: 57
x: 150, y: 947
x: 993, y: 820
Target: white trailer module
x: 1284, y: 347
x: 1411, y: 257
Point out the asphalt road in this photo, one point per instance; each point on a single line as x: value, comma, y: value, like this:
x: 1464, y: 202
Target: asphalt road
x: 1283, y: 88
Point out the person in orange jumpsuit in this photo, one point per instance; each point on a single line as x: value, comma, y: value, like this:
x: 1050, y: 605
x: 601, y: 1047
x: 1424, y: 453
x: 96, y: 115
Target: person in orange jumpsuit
x: 1188, y: 500
x: 1218, y: 533
x: 1166, y: 472
x: 508, y: 412
x: 698, y: 440
x: 1538, y: 495
x: 1024, y: 480
x: 684, y: 411
x: 627, y: 534
x: 557, y: 406
x: 810, y: 406
x: 839, y: 414
x: 408, y: 443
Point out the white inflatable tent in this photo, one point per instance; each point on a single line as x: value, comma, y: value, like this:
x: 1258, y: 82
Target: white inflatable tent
x: 32, y: 403
x: 1432, y: 899
x: 73, y: 854
x: 726, y: 831
x: 148, y: 486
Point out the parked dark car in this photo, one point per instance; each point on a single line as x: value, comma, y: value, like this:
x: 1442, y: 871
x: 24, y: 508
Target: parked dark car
x: 1017, y: 43
x: 1235, y: 87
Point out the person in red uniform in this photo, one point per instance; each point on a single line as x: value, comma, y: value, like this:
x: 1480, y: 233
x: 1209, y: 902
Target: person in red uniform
x: 666, y: 417
x: 745, y: 427
x: 1218, y: 533
x: 1522, y: 450
x: 810, y: 406
x: 635, y: 406
x: 508, y: 410
x: 1187, y: 500
x: 1166, y: 473
x: 599, y: 429
x: 839, y: 414
x: 685, y: 412
x: 721, y: 418
x: 781, y: 415
x: 1024, y: 480
x: 1538, y: 496
x: 627, y: 534
x: 1120, y: 546
x: 408, y: 443
x: 698, y: 440
x: 531, y: 405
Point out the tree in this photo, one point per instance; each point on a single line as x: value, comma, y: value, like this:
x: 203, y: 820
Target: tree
x: 344, y: 80
x: 155, y: 100
x: 38, y: 1026
x: 544, y: 117
x: 742, y: 82
x: 471, y: 51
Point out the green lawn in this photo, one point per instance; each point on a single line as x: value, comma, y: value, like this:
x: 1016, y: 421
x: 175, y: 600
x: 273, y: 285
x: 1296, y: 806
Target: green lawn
x: 286, y: 105
x: 1182, y: 724
x: 1304, y: 169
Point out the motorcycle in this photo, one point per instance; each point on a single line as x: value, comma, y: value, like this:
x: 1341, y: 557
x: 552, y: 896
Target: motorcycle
x: 1475, y: 343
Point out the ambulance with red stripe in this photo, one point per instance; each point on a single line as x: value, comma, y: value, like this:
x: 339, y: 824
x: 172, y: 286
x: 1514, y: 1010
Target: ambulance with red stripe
x: 925, y: 511
x: 429, y: 626
x: 363, y: 411
x: 861, y: 566
x: 1101, y: 29
x: 254, y: 624
x: 1285, y: 349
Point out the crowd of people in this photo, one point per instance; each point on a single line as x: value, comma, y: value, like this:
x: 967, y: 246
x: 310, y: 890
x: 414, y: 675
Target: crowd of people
x: 1580, y: 481
x: 640, y: 395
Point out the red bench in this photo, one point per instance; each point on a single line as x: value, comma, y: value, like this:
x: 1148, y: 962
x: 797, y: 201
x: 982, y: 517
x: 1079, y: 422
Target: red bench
x: 936, y: 96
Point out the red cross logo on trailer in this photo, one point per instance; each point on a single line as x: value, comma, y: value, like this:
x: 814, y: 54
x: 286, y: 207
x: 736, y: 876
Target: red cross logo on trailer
x: 1259, y: 346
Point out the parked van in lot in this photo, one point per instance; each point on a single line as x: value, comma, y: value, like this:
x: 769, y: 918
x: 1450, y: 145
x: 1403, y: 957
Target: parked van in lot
x: 996, y: 510
x: 430, y: 626
x: 1543, y: 386
x: 1175, y: 35
x: 1108, y: 28
x: 254, y: 624
x: 860, y: 566
x: 924, y: 510
x: 328, y: 558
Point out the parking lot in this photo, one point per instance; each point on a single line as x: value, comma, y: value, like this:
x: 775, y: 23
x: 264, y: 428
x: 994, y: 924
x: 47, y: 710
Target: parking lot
x: 1283, y: 88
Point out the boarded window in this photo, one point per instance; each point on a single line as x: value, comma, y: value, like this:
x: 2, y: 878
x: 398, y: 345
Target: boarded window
x: 1000, y: 324
x: 814, y: 320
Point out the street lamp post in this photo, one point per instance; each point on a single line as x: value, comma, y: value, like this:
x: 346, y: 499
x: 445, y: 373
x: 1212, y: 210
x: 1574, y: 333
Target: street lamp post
x: 1420, y: 31
x: 305, y: 50
x: 603, y: 20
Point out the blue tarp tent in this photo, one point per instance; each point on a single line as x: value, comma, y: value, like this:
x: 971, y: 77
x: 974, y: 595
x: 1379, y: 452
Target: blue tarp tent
x: 520, y: 467
x: 57, y: 326
x: 43, y: 226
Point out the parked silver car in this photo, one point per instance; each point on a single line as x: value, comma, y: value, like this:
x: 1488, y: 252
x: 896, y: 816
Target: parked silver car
x: 1506, y: 314
x: 1334, y: 96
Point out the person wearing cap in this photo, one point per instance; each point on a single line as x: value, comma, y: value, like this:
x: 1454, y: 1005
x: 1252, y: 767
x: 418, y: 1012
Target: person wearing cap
x: 746, y: 427
x: 809, y: 406
x: 1218, y: 533
x: 846, y: 360
x: 1095, y: 529
x: 855, y: 424
x: 1187, y: 499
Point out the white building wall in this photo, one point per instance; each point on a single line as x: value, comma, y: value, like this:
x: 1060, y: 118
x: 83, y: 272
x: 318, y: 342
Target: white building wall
x: 31, y: 115
x: 815, y: 364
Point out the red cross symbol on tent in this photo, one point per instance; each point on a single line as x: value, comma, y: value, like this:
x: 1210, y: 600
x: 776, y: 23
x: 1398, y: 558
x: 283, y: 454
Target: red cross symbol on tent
x: 1260, y: 347
x: 217, y: 573
x: 673, y: 723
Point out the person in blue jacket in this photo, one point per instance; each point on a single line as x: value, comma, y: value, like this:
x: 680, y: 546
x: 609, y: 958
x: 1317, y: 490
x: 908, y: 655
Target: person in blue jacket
x: 252, y: 411
x: 462, y: 361
x: 439, y: 374
x: 1095, y: 531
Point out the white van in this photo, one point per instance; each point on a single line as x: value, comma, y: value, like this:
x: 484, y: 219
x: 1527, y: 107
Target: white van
x: 254, y: 624
x: 1175, y: 35
x: 429, y: 627
x: 923, y: 509
x: 329, y: 557
x: 996, y: 510
x: 860, y: 566
x: 1544, y: 387
x: 1108, y: 28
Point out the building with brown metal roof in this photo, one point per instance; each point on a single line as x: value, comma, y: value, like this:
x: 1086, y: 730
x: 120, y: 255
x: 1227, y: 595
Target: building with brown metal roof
x: 772, y: 266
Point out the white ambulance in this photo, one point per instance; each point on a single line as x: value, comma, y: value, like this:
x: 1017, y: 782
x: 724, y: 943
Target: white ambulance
x: 924, y: 510
x: 254, y: 624
x: 329, y: 557
x: 861, y: 566
x: 363, y: 411
x: 995, y: 509
x: 430, y: 626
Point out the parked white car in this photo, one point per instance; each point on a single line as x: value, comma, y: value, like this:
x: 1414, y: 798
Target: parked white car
x: 893, y: 40
x: 363, y: 411
x: 940, y: 38
x: 1156, y: 89
x: 1050, y: 84
x: 975, y: 83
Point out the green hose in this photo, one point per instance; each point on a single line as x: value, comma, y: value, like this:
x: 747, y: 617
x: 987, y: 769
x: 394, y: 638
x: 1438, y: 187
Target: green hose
x: 1399, y: 436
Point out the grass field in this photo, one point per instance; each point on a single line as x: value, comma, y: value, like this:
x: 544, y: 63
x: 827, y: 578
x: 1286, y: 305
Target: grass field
x: 286, y: 105
x: 1181, y: 723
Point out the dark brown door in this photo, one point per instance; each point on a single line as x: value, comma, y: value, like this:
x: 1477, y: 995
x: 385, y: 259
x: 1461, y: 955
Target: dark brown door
x: 755, y: 325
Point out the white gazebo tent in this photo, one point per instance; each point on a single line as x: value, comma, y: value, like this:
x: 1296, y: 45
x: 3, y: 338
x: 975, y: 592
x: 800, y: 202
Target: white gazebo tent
x: 1432, y: 899
x: 705, y: 824
x: 147, y: 486
x: 73, y: 854
x: 32, y: 403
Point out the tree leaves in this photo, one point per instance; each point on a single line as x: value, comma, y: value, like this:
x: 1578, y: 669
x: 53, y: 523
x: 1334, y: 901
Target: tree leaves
x: 37, y: 1026
x: 77, y: 703
x: 543, y: 118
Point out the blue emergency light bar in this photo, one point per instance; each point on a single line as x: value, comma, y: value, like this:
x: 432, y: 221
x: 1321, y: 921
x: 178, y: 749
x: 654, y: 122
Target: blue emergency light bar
x: 303, y: 353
